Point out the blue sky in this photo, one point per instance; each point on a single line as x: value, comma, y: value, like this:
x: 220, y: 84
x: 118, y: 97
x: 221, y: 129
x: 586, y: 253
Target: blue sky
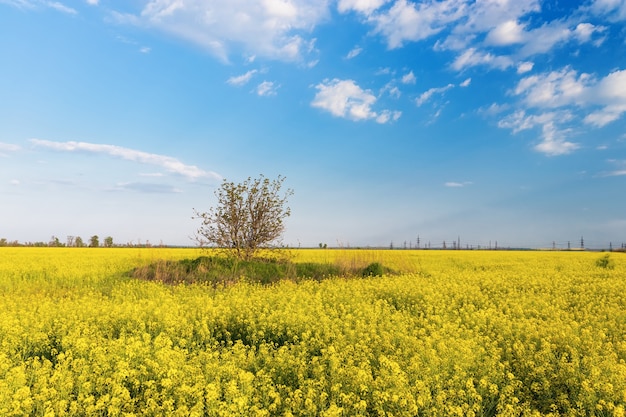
x: 492, y: 120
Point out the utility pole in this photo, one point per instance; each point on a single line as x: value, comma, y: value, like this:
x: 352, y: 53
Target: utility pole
x: 582, y: 243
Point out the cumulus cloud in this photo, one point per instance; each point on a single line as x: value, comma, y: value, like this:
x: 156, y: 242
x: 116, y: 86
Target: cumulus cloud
x: 611, y: 92
x: 473, y: 28
x: 277, y: 29
x: 361, y: 6
x: 554, y: 138
x: 554, y: 89
x: 344, y: 98
x: 506, y: 33
x: 524, y: 67
x: 606, y: 97
x: 543, y: 39
x: 408, y: 21
x: 170, y: 164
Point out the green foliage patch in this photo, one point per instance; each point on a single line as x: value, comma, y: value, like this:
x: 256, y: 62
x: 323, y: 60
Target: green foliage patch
x: 219, y: 270
x: 605, y: 262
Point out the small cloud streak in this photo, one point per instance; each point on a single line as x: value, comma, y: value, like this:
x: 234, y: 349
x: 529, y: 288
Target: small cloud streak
x: 148, y: 188
x: 5, y: 148
x: 354, y: 52
x: 170, y: 164
x: 425, y: 96
x: 454, y: 184
x: 266, y: 89
x: 408, y: 78
x: 61, y: 7
x: 620, y: 171
x: 241, y: 80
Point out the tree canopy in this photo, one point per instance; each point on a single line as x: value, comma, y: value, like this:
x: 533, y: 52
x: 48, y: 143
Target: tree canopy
x: 248, y: 216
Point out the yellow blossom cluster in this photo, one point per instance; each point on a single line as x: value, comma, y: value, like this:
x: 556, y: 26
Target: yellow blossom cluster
x: 453, y: 333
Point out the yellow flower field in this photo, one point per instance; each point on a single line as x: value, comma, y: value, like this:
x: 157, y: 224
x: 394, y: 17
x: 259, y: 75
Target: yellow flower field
x: 456, y: 333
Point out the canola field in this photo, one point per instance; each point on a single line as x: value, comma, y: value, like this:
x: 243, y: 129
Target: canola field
x: 456, y: 333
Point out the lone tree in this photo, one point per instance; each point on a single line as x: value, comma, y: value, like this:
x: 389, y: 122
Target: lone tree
x: 248, y: 216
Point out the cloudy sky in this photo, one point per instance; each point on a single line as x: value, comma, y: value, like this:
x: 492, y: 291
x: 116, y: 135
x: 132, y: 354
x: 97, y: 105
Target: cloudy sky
x: 486, y: 120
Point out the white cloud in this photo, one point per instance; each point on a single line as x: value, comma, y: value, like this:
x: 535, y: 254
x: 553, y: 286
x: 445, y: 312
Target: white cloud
x: 395, y: 92
x: 267, y: 88
x: 60, y: 7
x: 170, y: 164
x: 147, y: 187
x: 584, y: 31
x: 610, y: 91
x: 276, y: 29
x: 494, y: 109
x: 543, y: 39
x: 344, y: 98
x: 567, y: 88
x: 408, y: 78
x: 34, y: 4
x: 554, y: 140
x: 614, y: 9
x: 93, y: 2
x: 524, y: 67
x: 466, y: 83
x: 619, y: 171
x: 15, y: 182
x: 601, y: 100
x: 354, y: 52
x: 554, y: 89
x: 243, y: 79
x: 8, y: 147
x: 506, y: 33
x: 425, y: 96
x: 605, y: 116
x: 472, y: 57
x: 408, y: 21
x: 498, y: 19
x: 387, y: 115
x: 361, y: 6
x: 454, y: 184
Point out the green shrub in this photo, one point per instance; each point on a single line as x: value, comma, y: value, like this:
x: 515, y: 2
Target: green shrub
x: 375, y: 269
x: 605, y: 262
